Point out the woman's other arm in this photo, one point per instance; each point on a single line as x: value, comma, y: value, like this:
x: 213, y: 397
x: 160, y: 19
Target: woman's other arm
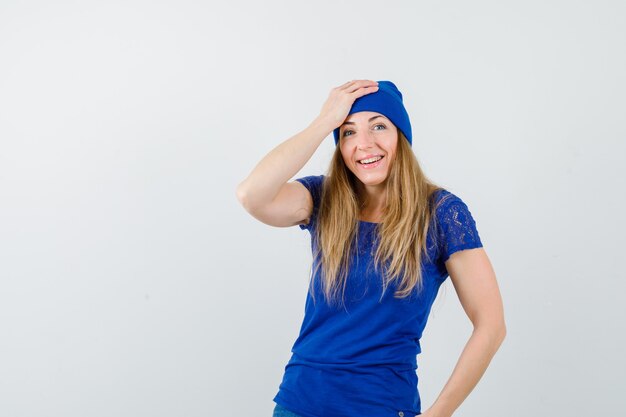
x: 266, y: 193
x: 475, y: 283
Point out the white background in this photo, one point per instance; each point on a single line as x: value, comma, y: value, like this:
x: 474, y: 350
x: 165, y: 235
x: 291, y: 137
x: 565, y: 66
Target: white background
x: 132, y: 283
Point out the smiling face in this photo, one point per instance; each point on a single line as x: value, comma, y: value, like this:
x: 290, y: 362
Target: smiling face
x: 368, y: 142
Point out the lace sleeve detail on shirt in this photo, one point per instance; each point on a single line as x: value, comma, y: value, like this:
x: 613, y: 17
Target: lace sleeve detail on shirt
x: 314, y: 184
x: 457, y: 228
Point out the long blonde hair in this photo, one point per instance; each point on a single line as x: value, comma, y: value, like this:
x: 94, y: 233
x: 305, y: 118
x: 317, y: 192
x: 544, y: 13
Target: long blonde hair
x: 401, y: 233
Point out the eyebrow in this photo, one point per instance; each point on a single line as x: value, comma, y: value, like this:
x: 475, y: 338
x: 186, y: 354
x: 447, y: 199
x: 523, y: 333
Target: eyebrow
x: 371, y: 118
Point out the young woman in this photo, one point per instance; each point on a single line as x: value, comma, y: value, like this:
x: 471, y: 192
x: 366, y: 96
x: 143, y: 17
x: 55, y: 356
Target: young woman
x: 384, y: 238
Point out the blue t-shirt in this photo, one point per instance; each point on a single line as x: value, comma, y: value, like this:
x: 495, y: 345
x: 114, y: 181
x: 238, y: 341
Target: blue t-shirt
x: 359, y: 359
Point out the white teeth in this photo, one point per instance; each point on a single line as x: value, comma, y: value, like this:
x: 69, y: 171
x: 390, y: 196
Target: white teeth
x: 370, y: 160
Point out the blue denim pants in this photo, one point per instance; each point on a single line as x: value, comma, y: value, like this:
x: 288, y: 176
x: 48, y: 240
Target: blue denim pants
x: 280, y: 411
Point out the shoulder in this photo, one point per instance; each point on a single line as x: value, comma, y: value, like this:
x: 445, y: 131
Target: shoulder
x: 313, y: 184
x: 445, y: 201
x: 454, y: 223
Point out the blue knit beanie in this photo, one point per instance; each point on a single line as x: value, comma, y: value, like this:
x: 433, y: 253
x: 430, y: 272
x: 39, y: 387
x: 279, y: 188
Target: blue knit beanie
x: 386, y: 101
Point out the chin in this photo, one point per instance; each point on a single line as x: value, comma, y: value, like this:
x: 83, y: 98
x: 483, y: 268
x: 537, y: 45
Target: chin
x: 372, y: 179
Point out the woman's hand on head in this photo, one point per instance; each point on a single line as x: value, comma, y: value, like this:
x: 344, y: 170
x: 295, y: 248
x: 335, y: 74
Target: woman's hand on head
x: 340, y: 100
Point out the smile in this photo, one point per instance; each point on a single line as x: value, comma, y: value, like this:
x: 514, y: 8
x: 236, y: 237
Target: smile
x: 370, y: 163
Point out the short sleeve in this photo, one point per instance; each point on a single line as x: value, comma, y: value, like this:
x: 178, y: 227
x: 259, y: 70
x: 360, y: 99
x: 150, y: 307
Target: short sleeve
x: 314, y: 184
x: 456, y: 226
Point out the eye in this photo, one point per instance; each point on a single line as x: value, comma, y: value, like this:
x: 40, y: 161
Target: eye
x: 347, y: 132
x: 380, y: 127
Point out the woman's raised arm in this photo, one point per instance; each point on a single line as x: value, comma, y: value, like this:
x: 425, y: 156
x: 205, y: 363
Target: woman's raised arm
x: 266, y: 193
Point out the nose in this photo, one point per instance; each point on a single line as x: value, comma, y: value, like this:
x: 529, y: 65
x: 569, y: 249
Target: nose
x: 364, y: 139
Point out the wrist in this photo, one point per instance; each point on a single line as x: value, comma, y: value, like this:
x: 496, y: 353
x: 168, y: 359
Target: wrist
x: 439, y: 409
x: 324, y: 124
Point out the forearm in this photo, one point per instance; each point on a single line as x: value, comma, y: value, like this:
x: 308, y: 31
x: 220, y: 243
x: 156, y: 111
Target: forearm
x: 476, y: 356
x: 282, y: 163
